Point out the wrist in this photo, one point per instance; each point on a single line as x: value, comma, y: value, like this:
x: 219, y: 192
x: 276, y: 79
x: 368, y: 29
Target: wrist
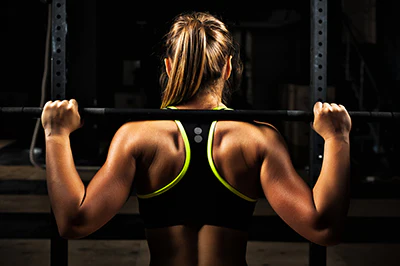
x: 56, y: 134
x: 345, y: 138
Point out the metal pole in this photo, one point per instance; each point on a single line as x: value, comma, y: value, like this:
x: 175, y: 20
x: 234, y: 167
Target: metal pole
x: 318, y: 87
x: 58, y: 246
x: 58, y: 46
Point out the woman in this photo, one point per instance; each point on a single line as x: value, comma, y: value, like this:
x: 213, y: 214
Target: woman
x: 198, y: 183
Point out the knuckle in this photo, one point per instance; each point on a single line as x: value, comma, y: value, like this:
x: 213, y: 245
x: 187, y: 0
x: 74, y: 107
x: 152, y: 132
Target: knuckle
x: 47, y: 105
x: 62, y: 104
x: 325, y: 111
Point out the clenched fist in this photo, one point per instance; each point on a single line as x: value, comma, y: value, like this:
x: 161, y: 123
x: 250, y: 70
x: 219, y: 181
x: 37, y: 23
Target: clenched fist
x: 331, y: 120
x: 60, y: 117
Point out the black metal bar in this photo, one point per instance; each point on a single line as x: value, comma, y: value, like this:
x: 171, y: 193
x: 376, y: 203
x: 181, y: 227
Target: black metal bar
x: 58, y: 245
x: 238, y: 115
x: 59, y: 31
x: 318, y: 87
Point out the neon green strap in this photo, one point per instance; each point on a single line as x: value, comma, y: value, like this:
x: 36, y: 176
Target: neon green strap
x: 214, y: 169
x: 187, y: 162
x: 181, y: 174
x: 222, y: 108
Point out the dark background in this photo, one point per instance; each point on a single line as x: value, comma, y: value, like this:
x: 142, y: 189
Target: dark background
x: 113, y: 61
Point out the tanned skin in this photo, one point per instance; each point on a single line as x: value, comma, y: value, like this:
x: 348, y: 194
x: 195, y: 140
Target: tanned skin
x: 248, y: 156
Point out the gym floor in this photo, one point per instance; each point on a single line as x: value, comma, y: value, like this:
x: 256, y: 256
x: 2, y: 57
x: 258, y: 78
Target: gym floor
x: 35, y: 252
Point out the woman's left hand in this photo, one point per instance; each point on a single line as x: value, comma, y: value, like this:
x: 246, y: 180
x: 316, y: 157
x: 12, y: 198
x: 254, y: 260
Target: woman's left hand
x: 61, y: 117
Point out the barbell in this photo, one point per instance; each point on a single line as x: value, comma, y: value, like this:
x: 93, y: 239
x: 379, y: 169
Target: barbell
x: 172, y: 114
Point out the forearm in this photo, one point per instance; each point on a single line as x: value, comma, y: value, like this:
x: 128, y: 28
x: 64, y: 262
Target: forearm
x: 331, y: 191
x: 65, y: 188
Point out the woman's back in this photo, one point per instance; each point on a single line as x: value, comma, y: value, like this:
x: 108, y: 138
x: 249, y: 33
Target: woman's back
x: 187, y: 224
x: 198, y: 183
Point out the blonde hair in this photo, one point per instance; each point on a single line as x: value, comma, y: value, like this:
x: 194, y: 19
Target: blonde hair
x: 198, y: 45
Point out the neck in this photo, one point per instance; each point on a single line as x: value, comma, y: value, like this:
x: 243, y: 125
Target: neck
x: 204, y: 100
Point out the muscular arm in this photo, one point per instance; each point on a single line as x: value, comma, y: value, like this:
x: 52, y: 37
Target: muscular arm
x: 317, y: 214
x: 65, y: 188
x: 331, y: 191
x: 79, y: 211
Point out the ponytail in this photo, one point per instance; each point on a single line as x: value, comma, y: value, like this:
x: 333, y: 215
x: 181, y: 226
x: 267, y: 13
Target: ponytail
x: 187, y: 66
x: 197, y: 47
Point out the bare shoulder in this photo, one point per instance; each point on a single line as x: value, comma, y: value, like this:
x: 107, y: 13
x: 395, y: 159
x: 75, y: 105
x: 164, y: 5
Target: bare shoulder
x: 146, y: 127
x: 256, y: 130
x: 255, y: 136
x: 145, y: 132
x: 271, y: 136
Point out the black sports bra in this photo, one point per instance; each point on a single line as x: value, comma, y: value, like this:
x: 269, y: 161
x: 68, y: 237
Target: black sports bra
x: 198, y: 195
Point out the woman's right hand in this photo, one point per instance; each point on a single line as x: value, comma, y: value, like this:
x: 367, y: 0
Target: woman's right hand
x: 61, y: 117
x: 331, y: 120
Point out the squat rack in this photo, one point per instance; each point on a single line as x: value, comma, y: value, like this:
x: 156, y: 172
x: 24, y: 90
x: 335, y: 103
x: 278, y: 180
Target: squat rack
x: 318, y: 88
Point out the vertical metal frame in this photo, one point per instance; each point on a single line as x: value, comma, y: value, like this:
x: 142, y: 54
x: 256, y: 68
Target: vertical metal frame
x: 58, y: 245
x: 58, y: 46
x: 318, y: 88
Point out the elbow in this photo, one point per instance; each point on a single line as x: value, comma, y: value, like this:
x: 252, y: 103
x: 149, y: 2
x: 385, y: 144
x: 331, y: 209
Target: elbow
x: 72, y: 229
x: 70, y: 232
x: 327, y: 233
x: 327, y: 238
